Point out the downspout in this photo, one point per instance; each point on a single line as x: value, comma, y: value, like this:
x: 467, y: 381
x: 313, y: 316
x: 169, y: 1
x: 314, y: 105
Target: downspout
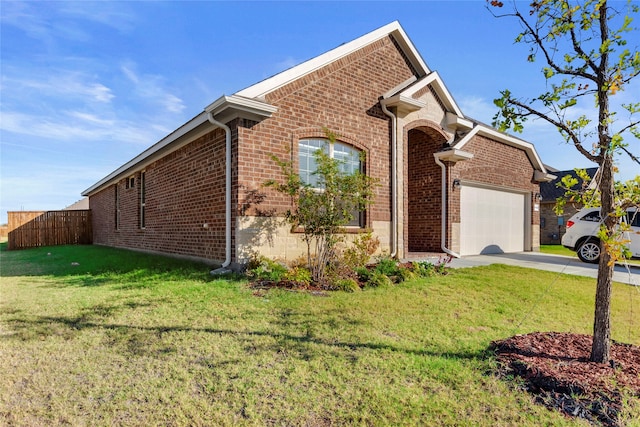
x: 394, y: 180
x: 227, y: 214
x: 443, y: 233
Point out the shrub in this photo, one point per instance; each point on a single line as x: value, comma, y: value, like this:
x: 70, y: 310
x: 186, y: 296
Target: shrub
x: 423, y: 268
x: 387, y: 266
x: 299, y: 275
x: 406, y: 273
x: 346, y: 285
x: 322, y: 214
x: 262, y: 268
x: 428, y: 269
x: 378, y: 280
x: 360, y: 252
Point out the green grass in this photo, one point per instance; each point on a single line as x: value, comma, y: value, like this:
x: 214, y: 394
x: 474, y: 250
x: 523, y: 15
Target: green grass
x: 561, y: 250
x: 557, y: 250
x: 128, y: 339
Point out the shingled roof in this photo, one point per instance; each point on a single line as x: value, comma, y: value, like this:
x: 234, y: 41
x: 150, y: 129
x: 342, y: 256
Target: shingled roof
x: 550, y: 191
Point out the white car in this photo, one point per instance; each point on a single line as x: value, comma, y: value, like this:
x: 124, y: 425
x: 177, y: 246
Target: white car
x: 582, y: 234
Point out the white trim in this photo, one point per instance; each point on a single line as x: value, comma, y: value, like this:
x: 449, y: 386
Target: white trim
x: 259, y: 90
x: 438, y: 85
x: 240, y: 103
x: 402, y: 86
x: 404, y: 103
x: 455, y: 122
x: 228, y: 107
x: 453, y: 155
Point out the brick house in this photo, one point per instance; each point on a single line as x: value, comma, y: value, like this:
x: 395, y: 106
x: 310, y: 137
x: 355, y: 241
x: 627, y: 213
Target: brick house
x: 447, y: 183
x: 553, y: 226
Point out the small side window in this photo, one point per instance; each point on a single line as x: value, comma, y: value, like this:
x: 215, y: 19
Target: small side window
x: 130, y: 182
x: 633, y: 218
x: 592, y: 217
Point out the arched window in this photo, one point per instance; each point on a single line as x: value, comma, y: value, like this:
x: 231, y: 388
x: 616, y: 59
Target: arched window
x: 350, y: 162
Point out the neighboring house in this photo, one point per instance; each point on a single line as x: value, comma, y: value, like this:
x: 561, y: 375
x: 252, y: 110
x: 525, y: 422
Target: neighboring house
x: 553, y: 226
x: 80, y: 205
x: 446, y: 182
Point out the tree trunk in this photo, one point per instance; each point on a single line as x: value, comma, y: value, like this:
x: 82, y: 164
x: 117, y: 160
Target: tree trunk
x: 600, y: 350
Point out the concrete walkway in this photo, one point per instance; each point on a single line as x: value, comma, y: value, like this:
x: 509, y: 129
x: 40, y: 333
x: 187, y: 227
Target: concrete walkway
x: 561, y: 264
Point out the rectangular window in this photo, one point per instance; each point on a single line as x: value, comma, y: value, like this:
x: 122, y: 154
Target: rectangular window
x: 117, y: 207
x: 633, y: 218
x: 142, y: 200
x: 130, y: 183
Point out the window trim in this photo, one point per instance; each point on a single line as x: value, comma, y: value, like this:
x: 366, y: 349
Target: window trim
x: 130, y: 182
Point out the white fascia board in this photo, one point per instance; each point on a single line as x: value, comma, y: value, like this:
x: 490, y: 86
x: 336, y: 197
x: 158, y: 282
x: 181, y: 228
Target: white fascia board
x: 438, y: 85
x: 241, y: 103
x: 505, y: 139
x: 224, y: 105
x: 540, y: 176
x: 144, y: 158
x: 456, y: 122
x: 400, y: 87
x: 259, y: 90
x: 404, y: 103
x: 453, y: 155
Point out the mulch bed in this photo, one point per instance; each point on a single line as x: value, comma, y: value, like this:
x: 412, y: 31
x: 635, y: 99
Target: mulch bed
x: 556, y: 369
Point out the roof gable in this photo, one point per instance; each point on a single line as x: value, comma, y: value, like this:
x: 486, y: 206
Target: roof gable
x: 259, y: 90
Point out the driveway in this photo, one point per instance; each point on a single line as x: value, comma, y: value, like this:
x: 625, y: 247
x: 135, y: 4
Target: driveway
x: 561, y: 264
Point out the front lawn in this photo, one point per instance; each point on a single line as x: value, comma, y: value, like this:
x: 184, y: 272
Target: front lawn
x: 98, y: 336
x: 557, y: 250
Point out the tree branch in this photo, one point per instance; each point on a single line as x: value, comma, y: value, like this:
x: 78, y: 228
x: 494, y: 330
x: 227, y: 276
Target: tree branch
x: 634, y: 158
x: 571, y: 134
x: 629, y: 126
x: 537, y: 40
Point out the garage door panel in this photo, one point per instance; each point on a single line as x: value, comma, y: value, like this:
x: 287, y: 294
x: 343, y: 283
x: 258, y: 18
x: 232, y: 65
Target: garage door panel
x: 491, y: 221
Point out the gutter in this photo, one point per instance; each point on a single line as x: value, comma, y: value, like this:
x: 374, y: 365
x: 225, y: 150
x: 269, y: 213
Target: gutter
x: 394, y: 181
x: 443, y: 232
x: 227, y: 215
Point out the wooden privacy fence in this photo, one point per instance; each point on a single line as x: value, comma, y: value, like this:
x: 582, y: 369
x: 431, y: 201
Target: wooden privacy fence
x: 50, y: 228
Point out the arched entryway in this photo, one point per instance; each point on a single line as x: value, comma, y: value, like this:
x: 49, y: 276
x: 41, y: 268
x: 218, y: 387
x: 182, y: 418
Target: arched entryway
x: 423, y: 204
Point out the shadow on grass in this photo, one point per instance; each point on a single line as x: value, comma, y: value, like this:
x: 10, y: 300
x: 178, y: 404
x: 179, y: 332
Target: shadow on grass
x: 148, y: 340
x: 89, y: 264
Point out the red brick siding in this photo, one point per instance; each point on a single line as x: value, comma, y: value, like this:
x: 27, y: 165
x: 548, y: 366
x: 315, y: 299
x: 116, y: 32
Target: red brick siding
x: 423, y: 181
x: 186, y: 188
x: 551, y: 233
x: 184, y: 191
x: 342, y: 97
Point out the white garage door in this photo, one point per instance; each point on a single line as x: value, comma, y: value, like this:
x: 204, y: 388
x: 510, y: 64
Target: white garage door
x: 491, y: 221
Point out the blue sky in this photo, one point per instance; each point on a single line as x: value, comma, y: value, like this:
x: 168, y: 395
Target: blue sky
x: 87, y: 86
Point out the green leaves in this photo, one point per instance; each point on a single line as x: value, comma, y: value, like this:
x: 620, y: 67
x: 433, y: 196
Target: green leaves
x: 508, y: 116
x: 322, y: 210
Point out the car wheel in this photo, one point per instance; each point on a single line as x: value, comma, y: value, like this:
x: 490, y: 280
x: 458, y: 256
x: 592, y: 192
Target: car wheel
x: 589, y: 251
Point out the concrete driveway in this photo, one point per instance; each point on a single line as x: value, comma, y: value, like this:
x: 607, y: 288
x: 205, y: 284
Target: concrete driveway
x: 561, y: 264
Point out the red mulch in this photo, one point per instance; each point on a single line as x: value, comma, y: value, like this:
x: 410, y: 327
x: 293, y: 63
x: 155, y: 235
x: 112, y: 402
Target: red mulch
x: 557, y: 370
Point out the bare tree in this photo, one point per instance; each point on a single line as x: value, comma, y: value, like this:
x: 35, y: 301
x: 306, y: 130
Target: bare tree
x: 585, y: 48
